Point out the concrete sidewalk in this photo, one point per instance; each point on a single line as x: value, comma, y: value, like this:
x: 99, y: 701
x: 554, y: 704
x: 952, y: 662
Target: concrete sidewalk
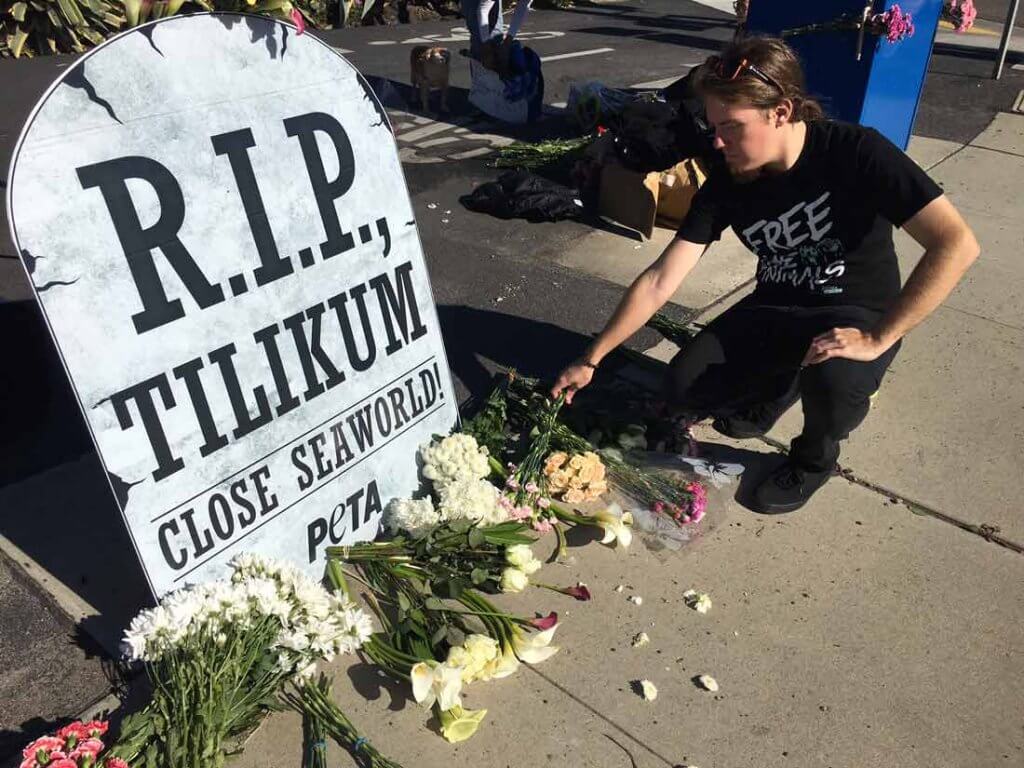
x: 869, y: 628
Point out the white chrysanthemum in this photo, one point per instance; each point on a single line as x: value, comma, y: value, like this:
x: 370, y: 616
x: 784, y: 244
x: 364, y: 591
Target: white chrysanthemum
x: 457, y: 457
x: 475, y: 500
x: 416, y: 516
x: 314, y: 624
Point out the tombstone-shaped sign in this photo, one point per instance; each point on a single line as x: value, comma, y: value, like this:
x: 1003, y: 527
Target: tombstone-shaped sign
x: 213, y: 214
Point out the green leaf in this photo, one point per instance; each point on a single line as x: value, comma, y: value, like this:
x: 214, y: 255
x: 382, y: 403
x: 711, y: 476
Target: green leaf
x: 460, y: 526
x: 479, y: 576
x: 433, y: 604
x: 455, y: 589
x: 71, y: 12
x: 476, y: 538
x: 403, y: 602
x: 456, y: 636
x: 440, y: 635
x: 17, y: 42
x: 131, y: 9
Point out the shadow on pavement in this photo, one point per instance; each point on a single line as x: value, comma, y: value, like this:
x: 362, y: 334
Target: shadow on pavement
x: 533, y: 348
x: 55, y: 502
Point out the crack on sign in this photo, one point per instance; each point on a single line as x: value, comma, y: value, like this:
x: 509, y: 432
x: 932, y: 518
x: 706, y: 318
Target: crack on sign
x: 148, y: 33
x: 368, y: 91
x: 76, y: 79
x: 54, y: 283
x: 30, y: 260
x: 121, y: 489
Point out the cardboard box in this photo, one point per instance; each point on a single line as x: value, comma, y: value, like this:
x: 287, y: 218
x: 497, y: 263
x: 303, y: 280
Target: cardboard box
x: 639, y: 201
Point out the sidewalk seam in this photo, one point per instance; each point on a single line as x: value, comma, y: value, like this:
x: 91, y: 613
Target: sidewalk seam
x: 985, y: 531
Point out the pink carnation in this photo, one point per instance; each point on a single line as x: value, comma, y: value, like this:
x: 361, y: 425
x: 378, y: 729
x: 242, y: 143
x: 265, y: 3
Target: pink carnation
x: 46, y: 743
x: 29, y: 762
x: 520, y: 513
x: 300, y: 22
x: 88, y: 747
x: 898, y: 24
x: 96, y: 728
x: 543, y: 526
x: 116, y: 762
x: 76, y: 729
x: 64, y: 762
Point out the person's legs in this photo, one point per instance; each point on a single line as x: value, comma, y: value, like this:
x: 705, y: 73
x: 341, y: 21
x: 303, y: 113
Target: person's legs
x: 741, y: 359
x: 483, y: 20
x: 835, y: 396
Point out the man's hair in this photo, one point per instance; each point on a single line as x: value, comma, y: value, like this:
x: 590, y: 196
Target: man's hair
x: 771, y: 57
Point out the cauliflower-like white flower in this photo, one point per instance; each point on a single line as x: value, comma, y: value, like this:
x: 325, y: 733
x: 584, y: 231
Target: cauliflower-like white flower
x: 472, y: 499
x: 513, y: 580
x: 416, y: 516
x: 521, y: 556
x: 457, y: 457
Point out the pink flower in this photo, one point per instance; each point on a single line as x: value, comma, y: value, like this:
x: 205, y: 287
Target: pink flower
x: 963, y: 13
x: 531, y: 487
x: 520, y: 513
x: 76, y: 729
x: 96, y: 728
x: 64, y: 762
x: 898, y: 24
x: 88, y: 747
x: 579, y: 592
x: 545, y: 623
x: 29, y: 762
x: 300, y: 22
x: 543, y: 503
x: 659, y: 507
x: 512, y: 483
x: 543, y: 526
x: 45, y: 743
x: 116, y: 762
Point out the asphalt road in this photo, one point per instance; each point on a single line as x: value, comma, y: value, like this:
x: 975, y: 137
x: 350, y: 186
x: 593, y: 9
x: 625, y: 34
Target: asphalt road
x: 500, y: 297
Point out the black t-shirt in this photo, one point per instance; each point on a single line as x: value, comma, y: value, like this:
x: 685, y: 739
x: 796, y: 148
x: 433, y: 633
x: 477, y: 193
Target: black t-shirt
x: 822, y: 230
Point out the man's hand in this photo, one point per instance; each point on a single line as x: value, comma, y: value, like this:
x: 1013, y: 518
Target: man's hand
x: 850, y: 343
x: 575, y: 377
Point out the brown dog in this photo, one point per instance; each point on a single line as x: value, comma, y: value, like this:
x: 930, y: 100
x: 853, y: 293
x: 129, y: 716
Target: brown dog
x: 429, y: 69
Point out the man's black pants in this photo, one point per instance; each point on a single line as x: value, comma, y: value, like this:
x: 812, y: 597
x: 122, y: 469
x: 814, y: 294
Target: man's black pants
x: 748, y: 361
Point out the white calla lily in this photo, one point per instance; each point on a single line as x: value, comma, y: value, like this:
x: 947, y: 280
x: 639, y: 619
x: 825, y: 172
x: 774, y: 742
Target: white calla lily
x: 433, y: 682
x: 617, y: 525
x: 536, y: 647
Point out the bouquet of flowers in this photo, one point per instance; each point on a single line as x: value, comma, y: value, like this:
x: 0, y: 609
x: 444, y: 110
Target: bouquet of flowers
x: 684, y: 503
x: 577, y: 478
x: 441, y: 645
x: 77, y: 745
x: 217, y: 654
x: 960, y: 13
x: 894, y: 24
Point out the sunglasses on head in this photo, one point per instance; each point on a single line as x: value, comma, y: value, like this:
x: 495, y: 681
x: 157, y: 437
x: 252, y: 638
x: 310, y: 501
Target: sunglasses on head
x: 730, y: 73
